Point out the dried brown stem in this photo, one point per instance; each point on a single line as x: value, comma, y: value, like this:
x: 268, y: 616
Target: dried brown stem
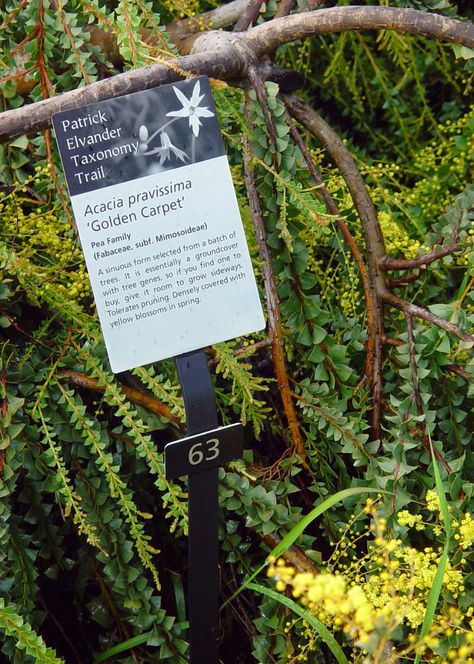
x: 13, y: 14
x: 259, y: 87
x: 419, y: 312
x: 241, y: 352
x: 273, y: 306
x: 459, y: 371
x: 413, y: 371
x: 136, y: 396
x: 249, y: 16
x: 388, y: 263
x: 293, y: 555
x: 394, y: 343
x: 284, y: 8
x: 410, y: 278
x: 108, y: 598
x: 249, y: 350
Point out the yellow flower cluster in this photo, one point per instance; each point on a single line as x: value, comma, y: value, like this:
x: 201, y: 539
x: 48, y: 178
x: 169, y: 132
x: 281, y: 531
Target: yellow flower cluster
x: 431, y: 193
x: 182, y: 8
x: 331, y: 599
x: 432, y: 501
x: 465, y: 537
x: 369, y: 596
x: 403, y: 582
x: 405, y: 518
x: 38, y: 233
x: 397, y: 240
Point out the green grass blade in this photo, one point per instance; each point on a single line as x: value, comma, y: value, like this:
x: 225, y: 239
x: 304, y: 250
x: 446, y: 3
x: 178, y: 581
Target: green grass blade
x: 134, y: 642
x: 433, y: 597
x: 318, y: 626
x: 179, y: 597
x: 301, y: 526
x: 437, y: 586
x: 440, y: 491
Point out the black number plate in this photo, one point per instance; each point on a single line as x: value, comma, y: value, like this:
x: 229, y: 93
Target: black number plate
x: 203, y: 451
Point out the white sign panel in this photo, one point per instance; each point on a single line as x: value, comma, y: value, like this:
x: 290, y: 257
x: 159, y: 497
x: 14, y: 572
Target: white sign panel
x: 159, y: 223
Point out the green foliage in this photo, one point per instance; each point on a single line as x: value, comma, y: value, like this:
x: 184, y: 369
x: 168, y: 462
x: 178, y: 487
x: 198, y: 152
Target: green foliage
x: 25, y: 638
x: 243, y: 387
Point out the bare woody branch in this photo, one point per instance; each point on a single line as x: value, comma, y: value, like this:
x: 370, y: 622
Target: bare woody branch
x: 388, y: 263
x: 226, y: 56
x: 220, y: 17
x: 135, y: 396
x: 249, y: 16
x: 37, y: 116
x: 269, y: 36
x: 415, y: 311
x: 273, y: 307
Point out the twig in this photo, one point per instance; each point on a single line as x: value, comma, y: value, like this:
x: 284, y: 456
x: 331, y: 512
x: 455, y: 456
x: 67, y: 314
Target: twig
x: 393, y: 283
x: 388, y: 263
x: 333, y: 421
x: 332, y: 207
x: 419, y: 312
x: 293, y: 555
x: 13, y: 14
x: 57, y: 183
x: 241, y: 352
x: 414, y: 374
x: 273, y: 305
x: 284, y: 8
x: 108, y: 598
x: 459, y: 371
x: 136, y: 396
x: 465, y: 293
x: 60, y: 628
x: 249, y: 16
x: 249, y: 350
x: 388, y: 341
x: 259, y: 87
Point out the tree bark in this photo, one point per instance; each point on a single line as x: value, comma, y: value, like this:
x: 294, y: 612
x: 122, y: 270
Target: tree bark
x: 227, y: 56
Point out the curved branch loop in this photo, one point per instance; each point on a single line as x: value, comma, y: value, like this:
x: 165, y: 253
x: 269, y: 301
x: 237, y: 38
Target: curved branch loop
x: 228, y: 62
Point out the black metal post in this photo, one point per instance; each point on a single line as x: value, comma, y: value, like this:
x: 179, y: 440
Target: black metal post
x: 201, y: 415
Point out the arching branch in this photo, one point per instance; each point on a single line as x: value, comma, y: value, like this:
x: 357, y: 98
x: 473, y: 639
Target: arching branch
x: 227, y: 56
x: 269, y: 36
x: 375, y: 283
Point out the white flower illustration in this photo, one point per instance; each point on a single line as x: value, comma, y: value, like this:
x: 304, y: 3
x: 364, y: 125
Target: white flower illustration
x: 167, y: 148
x: 191, y: 108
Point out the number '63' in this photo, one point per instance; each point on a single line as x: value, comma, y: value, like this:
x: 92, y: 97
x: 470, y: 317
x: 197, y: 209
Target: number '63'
x: 206, y: 451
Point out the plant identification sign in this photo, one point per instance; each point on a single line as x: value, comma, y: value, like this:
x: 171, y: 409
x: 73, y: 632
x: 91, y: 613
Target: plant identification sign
x: 159, y: 223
